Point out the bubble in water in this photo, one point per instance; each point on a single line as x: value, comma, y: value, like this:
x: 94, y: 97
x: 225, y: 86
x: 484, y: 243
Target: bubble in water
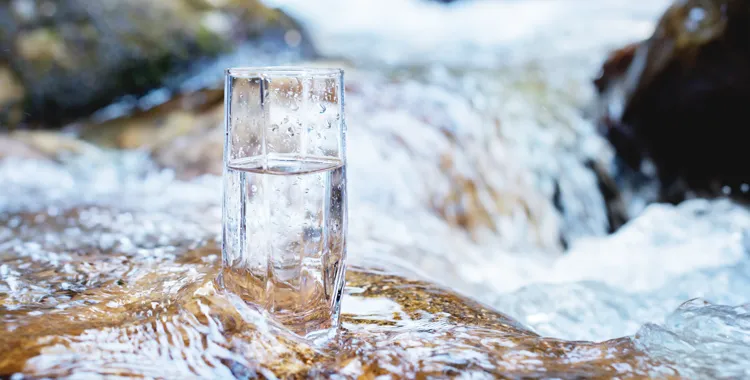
x: 274, y: 127
x: 322, y: 108
x: 294, y: 106
x: 290, y: 131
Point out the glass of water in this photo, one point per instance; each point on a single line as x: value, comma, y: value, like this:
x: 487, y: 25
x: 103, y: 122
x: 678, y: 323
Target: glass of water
x: 285, y: 204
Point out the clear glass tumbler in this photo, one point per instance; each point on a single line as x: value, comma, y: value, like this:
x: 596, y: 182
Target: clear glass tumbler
x: 285, y: 204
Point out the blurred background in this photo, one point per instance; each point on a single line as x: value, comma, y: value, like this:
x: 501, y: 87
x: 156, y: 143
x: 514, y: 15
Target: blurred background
x: 576, y: 164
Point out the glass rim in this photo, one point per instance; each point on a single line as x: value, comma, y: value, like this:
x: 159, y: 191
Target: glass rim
x: 290, y: 71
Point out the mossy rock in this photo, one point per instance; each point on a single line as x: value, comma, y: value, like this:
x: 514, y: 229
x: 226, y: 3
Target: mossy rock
x: 77, y: 56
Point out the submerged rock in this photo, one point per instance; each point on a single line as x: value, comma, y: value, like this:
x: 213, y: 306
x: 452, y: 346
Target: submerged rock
x: 72, y: 57
x: 679, y: 99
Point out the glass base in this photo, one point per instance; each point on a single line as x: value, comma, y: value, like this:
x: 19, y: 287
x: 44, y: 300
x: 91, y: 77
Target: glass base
x: 316, y: 323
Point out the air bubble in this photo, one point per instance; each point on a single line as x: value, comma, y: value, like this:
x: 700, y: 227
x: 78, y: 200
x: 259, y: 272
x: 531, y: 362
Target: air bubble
x: 322, y: 108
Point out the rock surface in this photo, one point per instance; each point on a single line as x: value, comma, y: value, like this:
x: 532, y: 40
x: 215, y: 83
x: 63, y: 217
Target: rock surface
x: 679, y: 99
x: 70, y: 58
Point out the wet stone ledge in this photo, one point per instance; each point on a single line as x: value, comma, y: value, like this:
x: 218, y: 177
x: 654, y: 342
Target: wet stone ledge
x: 129, y: 290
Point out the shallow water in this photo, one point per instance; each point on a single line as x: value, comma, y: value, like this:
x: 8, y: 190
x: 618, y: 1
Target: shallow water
x: 108, y: 269
x: 450, y: 179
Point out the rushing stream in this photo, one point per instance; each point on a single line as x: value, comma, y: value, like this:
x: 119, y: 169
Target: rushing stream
x: 470, y: 167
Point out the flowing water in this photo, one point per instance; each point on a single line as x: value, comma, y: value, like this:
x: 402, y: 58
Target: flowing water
x: 109, y: 267
x: 460, y: 172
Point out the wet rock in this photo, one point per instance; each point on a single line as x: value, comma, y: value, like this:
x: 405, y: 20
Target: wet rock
x: 148, y: 305
x: 73, y: 57
x: 678, y: 100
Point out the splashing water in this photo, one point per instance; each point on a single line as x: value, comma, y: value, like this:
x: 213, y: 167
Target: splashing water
x: 471, y: 33
x: 117, y: 282
x: 452, y: 179
x: 604, y: 287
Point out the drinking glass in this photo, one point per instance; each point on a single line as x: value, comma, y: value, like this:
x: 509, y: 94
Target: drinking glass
x: 285, y: 203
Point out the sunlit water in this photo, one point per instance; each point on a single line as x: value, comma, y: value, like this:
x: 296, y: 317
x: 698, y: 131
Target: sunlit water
x: 468, y: 165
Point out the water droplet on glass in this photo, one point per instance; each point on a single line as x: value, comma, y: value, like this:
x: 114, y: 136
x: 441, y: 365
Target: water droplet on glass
x: 329, y: 124
x: 322, y: 108
x: 286, y: 120
x: 254, y: 188
x: 291, y: 131
x: 294, y: 106
x: 338, y: 116
x: 274, y: 127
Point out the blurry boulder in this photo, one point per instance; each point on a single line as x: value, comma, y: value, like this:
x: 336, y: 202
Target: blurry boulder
x: 679, y: 100
x: 64, y: 59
